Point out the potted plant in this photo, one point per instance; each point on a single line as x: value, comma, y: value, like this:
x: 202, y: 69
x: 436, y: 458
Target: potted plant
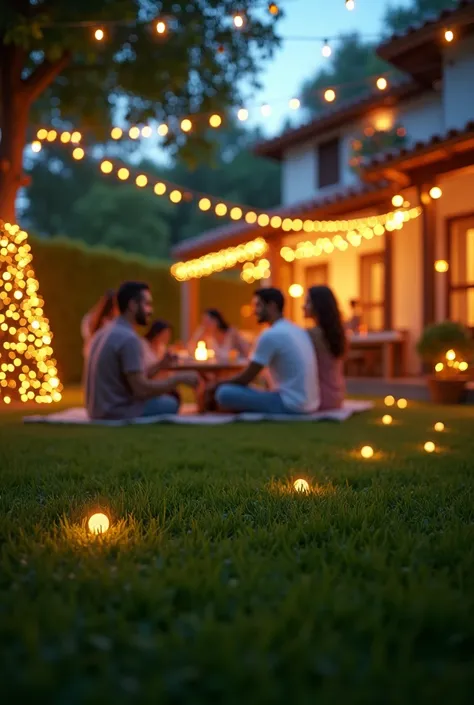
x: 447, y: 349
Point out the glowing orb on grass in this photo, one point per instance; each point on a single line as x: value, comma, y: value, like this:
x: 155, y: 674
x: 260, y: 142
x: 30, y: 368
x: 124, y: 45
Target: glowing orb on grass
x: 387, y: 420
x: 439, y: 426
x: 402, y: 403
x: 367, y: 452
x: 301, y: 485
x: 98, y: 523
x: 389, y: 401
x: 430, y: 447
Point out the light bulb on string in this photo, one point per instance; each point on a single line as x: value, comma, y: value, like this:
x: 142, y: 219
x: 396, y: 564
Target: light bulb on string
x: 36, y: 146
x: 273, y: 8
x: 449, y: 35
x: 186, y: 125
x: 382, y: 83
x: 294, y: 103
x: 163, y: 130
x: 99, y: 34
x: 330, y: 95
x: 161, y: 27
x: 238, y: 20
x: 215, y: 121
x: 350, y: 5
x: 326, y: 51
x: 243, y: 114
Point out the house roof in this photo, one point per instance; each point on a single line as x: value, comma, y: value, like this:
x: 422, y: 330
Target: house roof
x: 452, y: 149
x: 335, y: 117
x: 345, y: 200
x: 418, y: 50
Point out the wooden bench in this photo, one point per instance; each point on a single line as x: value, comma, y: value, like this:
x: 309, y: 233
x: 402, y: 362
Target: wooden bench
x: 391, y: 344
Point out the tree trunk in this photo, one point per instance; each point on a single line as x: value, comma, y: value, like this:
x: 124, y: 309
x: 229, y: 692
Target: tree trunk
x: 14, y: 122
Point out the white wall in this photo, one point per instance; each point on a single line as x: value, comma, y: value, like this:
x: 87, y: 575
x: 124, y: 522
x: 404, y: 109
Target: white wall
x: 458, y: 88
x: 298, y: 181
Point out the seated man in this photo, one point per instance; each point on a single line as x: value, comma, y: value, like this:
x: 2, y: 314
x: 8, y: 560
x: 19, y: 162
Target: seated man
x: 288, y: 353
x: 116, y: 383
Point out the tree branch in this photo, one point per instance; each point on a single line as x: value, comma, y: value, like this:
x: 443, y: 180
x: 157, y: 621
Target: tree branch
x: 44, y: 75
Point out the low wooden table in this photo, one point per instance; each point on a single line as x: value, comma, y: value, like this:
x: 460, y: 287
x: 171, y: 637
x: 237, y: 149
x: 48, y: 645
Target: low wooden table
x: 391, y: 343
x: 220, y: 368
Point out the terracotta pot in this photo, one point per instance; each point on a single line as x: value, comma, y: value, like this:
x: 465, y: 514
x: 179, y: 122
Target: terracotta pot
x: 447, y: 391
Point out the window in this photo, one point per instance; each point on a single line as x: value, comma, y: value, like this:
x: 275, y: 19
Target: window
x: 372, y: 290
x: 316, y: 274
x: 328, y: 163
x: 461, y: 268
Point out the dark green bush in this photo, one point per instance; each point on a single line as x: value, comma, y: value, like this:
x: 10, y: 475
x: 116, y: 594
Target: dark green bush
x: 438, y: 338
x: 72, y: 277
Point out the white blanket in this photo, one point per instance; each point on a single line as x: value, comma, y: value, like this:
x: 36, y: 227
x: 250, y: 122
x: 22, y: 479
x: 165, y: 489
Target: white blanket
x: 188, y: 416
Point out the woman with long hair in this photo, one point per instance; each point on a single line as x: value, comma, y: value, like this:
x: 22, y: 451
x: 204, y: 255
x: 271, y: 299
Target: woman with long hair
x: 156, y: 341
x: 102, y: 313
x: 329, y: 341
x: 219, y: 336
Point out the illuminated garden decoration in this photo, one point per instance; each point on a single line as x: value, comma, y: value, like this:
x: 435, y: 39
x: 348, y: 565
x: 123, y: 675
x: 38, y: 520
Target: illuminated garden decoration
x: 28, y: 371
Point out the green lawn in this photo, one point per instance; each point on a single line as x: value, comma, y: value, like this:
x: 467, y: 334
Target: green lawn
x: 218, y: 585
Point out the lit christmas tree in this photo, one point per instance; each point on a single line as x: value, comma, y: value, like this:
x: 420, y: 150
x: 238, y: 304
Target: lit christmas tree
x: 27, y: 369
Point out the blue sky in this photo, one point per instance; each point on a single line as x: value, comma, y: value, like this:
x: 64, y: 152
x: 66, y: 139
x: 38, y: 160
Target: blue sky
x: 298, y: 60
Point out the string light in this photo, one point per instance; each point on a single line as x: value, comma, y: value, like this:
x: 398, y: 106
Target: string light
x: 160, y: 189
x: 161, y: 27
x: 51, y: 136
x: 186, y: 125
x: 273, y: 8
x: 204, y: 204
x: 215, y: 121
x: 99, y: 35
x: 176, y: 196
x: 163, y: 130
x: 449, y: 35
x: 350, y: 5
x: 296, y: 291
x: 66, y: 137
x: 243, y: 114
x: 450, y: 355
x: 42, y: 134
x: 435, y: 193
x: 326, y: 51
x: 146, y: 131
x: 382, y: 83
x: 220, y: 209
x: 116, y: 133
x: 397, y: 201
x: 106, y: 167
x: 219, y: 261
x: 28, y: 371
x: 294, y: 104
x: 255, y: 272
x: 141, y: 181
x: 36, y: 146
x: 238, y: 21
x: 78, y: 153
x: 134, y: 133
x: 330, y: 95
x: 441, y: 266
x: 123, y: 174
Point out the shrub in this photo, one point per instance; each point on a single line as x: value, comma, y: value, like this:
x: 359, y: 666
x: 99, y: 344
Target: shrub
x: 438, y: 338
x: 72, y: 277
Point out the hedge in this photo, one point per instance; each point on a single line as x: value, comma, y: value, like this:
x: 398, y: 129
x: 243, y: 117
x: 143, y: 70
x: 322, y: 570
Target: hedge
x: 72, y: 277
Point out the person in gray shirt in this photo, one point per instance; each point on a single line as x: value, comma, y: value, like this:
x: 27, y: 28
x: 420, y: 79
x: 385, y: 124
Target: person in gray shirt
x: 116, y: 382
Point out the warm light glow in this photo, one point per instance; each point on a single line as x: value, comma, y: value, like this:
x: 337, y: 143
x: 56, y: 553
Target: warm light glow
x: 439, y: 426
x: 98, y: 524
x: 134, y: 133
x: 326, y: 51
x: 123, y: 174
x: 463, y: 366
x: 176, y: 196
x: 146, y: 131
x: 402, y: 403
x: 201, y: 352
x: 160, y: 188
x: 238, y: 21
x: 243, y: 114
x: 236, y: 213
x: 367, y: 452
x: 439, y: 367
x: 329, y: 95
x: 397, y: 201
x: 450, y: 355
x: 163, y: 130
x: 387, y: 420
x: 296, y: 291
x: 221, y: 209
x: 78, y: 153
x: 382, y: 83
x: 161, y: 27
x: 186, y: 125
x: 42, y: 134
x: 51, y: 136
x: 99, y: 34
x: 301, y: 485
x: 66, y: 137
x: 449, y: 35
x: 218, y: 261
x: 441, y: 266
x: 429, y: 447
x: 36, y: 146
x: 250, y: 217
x: 435, y: 193
x: 204, y: 204
x: 294, y: 103
x: 215, y: 121
x: 389, y: 401
x: 141, y: 180
x: 106, y: 167
x: 273, y: 8
x: 76, y: 137
x: 350, y: 5
x: 116, y: 133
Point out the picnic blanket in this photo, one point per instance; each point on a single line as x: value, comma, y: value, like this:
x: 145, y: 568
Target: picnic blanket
x: 188, y: 416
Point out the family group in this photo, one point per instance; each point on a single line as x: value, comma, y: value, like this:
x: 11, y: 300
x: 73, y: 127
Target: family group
x: 288, y: 370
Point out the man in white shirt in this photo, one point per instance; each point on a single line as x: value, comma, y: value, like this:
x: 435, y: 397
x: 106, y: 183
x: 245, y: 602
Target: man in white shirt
x: 286, y: 350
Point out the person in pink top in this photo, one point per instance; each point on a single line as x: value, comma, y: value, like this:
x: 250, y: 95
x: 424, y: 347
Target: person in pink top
x: 329, y: 341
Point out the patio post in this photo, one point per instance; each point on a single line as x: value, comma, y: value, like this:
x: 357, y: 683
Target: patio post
x: 189, y: 308
x: 273, y: 256
x: 428, y: 225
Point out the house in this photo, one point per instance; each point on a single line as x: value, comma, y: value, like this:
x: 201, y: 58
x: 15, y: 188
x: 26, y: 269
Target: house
x: 419, y: 267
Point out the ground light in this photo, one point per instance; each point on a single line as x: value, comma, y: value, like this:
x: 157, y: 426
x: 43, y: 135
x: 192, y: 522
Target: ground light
x: 389, y: 401
x: 387, y: 420
x: 301, y: 485
x: 402, y: 403
x: 429, y: 447
x: 98, y: 523
x: 367, y: 452
x: 439, y: 426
